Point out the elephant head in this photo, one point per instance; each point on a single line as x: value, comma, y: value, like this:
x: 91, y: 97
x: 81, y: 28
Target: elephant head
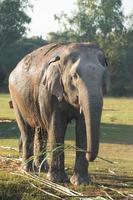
x: 80, y: 76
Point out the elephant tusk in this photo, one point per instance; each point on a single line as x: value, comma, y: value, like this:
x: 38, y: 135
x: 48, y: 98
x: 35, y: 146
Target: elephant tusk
x: 59, y: 98
x: 80, y: 110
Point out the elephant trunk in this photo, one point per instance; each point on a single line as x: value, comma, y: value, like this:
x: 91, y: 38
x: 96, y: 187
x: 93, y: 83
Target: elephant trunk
x: 92, y: 109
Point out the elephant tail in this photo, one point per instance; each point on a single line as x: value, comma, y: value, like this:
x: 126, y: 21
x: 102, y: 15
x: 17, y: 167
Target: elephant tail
x: 10, y: 104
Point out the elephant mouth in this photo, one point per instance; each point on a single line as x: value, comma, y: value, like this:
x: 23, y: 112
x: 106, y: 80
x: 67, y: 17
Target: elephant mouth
x: 76, y: 101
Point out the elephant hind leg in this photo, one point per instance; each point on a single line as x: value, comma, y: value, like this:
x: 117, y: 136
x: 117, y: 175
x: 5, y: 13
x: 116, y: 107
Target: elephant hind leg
x: 26, y: 139
x: 40, y: 143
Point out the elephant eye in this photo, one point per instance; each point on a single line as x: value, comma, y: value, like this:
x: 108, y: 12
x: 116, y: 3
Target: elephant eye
x: 71, y: 78
x: 75, y: 76
x: 70, y: 83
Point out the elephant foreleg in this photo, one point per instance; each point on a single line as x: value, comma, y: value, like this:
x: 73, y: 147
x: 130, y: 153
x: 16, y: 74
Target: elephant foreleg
x: 80, y: 175
x: 56, y: 141
x: 26, y: 139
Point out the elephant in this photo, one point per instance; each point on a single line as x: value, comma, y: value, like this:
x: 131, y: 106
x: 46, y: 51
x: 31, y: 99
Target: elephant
x: 51, y: 86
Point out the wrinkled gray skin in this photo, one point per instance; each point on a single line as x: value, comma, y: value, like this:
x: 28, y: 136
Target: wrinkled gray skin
x: 50, y: 87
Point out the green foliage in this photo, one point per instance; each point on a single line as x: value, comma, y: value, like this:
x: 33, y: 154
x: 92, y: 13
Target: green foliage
x: 82, y: 25
x: 17, y: 50
x: 13, y: 20
x: 110, y: 17
x: 13, y: 43
x: 128, y: 59
x: 2, y: 75
x: 91, y: 18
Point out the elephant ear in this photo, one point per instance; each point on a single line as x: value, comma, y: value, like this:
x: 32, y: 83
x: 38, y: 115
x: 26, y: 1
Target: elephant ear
x: 52, y: 78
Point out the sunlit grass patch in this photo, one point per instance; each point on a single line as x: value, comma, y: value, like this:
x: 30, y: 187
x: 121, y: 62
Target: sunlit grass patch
x: 118, y: 111
x: 5, y: 111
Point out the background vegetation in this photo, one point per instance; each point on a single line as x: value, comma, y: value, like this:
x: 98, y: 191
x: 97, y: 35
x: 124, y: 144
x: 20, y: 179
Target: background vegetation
x: 97, y: 21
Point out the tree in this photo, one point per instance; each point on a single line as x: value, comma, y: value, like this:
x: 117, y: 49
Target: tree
x: 110, y: 16
x: 83, y: 23
x: 18, y: 50
x: 92, y: 17
x: 128, y: 58
x: 13, y: 21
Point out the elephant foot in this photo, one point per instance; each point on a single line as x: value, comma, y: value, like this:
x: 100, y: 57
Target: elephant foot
x: 80, y: 179
x: 58, y: 176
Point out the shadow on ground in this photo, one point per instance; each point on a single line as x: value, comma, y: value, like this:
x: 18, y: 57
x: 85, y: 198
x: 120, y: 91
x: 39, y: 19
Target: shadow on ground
x: 116, y: 133
x: 110, y: 133
x: 9, y: 130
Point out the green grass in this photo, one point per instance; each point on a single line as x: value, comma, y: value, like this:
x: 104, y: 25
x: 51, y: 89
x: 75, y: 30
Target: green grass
x: 5, y: 111
x: 118, y: 111
x: 116, y: 145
